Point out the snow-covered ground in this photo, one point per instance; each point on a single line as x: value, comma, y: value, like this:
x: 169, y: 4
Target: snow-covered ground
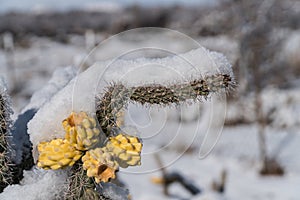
x: 236, y: 152
x: 243, y: 180
x: 163, y: 133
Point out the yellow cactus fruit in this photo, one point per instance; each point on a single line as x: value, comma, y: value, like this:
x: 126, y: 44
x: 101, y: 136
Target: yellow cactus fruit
x: 81, y: 130
x: 100, y: 164
x: 127, y: 150
x: 57, y: 154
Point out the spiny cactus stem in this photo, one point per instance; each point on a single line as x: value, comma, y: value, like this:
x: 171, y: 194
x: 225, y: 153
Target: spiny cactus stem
x: 80, y: 185
x: 117, y: 96
x: 3, y: 122
x: 6, y: 175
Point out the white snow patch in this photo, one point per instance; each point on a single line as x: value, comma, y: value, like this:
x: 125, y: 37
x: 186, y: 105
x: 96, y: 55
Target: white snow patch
x: 37, y: 184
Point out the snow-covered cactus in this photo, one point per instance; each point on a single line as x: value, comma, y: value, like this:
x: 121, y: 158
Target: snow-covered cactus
x: 5, y: 125
x: 100, y: 159
x: 117, y: 96
x: 106, y: 88
x: 108, y: 149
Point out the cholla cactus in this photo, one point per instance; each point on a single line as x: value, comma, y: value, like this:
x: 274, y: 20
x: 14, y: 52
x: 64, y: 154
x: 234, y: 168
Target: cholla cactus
x: 108, y: 107
x: 117, y: 96
x: 5, y: 125
x: 102, y: 157
x: 126, y: 149
x: 81, y: 140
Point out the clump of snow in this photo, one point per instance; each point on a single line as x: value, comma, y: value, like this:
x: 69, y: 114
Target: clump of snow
x: 222, y: 43
x: 37, y: 184
x: 20, y: 143
x: 79, y: 94
x: 60, y: 78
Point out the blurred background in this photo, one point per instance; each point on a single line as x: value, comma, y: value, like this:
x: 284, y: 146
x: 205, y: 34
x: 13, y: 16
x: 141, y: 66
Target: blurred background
x: 256, y: 157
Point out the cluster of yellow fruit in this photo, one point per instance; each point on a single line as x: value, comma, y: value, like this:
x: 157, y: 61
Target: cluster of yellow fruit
x: 81, y: 131
x: 100, y: 164
x: 126, y: 148
x: 82, y: 139
x: 57, y: 154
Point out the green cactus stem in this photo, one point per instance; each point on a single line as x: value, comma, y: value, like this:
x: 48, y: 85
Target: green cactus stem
x: 117, y: 96
x: 80, y: 186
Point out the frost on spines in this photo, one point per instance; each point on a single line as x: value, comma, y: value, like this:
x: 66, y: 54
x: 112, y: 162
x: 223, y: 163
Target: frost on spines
x: 5, y: 126
x: 117, y: 96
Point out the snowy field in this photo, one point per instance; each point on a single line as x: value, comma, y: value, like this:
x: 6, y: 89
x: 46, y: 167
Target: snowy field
x: 175, y: 134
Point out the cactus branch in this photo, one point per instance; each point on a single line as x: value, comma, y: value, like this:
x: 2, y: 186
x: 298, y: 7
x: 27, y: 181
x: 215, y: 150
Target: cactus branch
x: 80, y: 185
x: 117, y: 96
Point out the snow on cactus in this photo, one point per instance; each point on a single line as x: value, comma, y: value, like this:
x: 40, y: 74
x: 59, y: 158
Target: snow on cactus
x: 210, y: 68
x: 81, y: 128
x: 20, y: 140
